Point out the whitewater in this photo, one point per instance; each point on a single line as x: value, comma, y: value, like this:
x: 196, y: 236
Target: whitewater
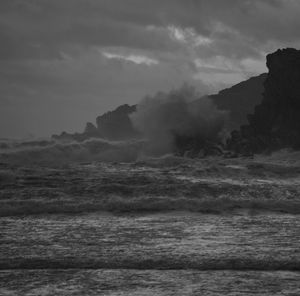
x: 75, y: 220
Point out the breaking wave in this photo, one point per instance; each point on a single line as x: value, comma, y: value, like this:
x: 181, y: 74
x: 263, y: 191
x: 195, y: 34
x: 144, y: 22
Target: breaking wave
x: 55, y: 153
x: 118, y: 204
x: 178, y: 121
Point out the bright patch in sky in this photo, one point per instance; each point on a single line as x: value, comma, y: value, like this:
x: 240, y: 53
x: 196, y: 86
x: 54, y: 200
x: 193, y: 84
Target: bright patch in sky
x: 188, y: 36
x: 217, y: 63
x: 137, y: 59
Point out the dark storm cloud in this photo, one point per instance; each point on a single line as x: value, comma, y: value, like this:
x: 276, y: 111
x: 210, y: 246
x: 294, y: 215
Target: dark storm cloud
x: 29, y: 28
x: 43, y: 24
x: 83, y: 57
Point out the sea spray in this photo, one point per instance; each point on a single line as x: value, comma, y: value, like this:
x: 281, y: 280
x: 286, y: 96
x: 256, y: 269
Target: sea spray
x: 178, y: 120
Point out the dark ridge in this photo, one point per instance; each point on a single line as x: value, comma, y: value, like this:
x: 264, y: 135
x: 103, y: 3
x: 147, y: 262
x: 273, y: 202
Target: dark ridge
x: 272, y: 100
x: 240, y: 99
x: 275, y: 123
x: 112, y: 125
x: 116, y: 125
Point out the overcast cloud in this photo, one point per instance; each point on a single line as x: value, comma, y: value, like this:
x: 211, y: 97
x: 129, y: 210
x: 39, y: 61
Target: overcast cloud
x: 63, y: 62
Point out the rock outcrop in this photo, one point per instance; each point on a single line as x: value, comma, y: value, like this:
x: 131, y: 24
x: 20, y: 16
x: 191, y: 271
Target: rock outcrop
x: 116, y: 125
x: 240, y: 99
x: 90, y: 129
x: 275, y: 122
x: 113, y: 125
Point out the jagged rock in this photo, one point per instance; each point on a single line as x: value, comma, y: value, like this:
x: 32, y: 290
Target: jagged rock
x: 113, y: 125
x: 207, y: 148
x: 90, y: 129
x: 213, y: 149
x: 275, y: 123
x: 116, y: 125
x: 64, y: 136
x: 240, y: 100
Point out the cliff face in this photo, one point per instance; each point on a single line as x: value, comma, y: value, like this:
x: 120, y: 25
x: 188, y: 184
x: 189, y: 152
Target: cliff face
x: 279, y: 112
x: 240, y: 99
x: 275, y: 123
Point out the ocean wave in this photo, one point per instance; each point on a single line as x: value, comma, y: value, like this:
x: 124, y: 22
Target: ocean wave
x: 56, y: 153
x: 241, y: 264
x: 117, y: 204
x: 148, y: 185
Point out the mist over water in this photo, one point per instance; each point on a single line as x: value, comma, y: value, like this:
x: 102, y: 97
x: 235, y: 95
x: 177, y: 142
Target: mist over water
x: 164, y: 225
x: 150, y: 186
x: 54, y: 153
x: 169, y: 122
x: 178, y: 118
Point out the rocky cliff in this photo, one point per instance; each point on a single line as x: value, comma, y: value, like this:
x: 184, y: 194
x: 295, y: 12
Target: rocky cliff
x: 116, y: 125
x: 275, y: 122
x: 240, y: 99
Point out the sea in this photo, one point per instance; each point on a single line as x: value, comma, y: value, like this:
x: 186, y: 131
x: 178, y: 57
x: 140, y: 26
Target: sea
x: 149, y: 226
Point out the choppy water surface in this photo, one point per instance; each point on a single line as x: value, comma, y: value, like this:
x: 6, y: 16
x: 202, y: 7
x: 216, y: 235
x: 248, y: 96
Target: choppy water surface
x: 166, y: 227
x: 149, y: 282
x: 151, y: 254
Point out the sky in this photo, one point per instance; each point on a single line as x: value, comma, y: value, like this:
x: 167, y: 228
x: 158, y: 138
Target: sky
x: 64, y: 62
